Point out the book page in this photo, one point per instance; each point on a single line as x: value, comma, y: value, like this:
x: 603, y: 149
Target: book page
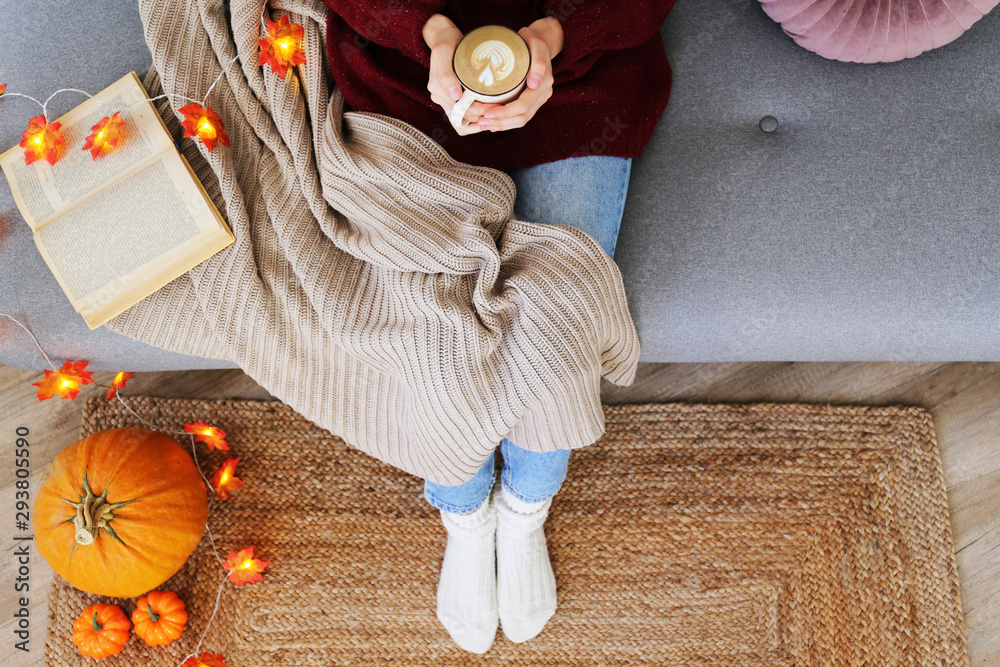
x: 44, y: 192
x: 99, y: 312
x: 124, y: 232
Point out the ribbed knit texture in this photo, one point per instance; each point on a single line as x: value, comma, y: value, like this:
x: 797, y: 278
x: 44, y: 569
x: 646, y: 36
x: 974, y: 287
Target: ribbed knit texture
x: 467, y: 589
x: 526, y: 584
x: 376, y: 285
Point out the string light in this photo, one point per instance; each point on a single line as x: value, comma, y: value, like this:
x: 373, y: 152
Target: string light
x: 105, y: 135
x: 43, y: 140
x: 241, y: 567
x: 64, y: 382
x: 280, y: 49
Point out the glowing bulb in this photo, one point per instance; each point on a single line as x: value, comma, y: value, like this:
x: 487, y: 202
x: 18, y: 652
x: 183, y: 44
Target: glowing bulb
x: 246, y: 564
x: 225, y: 476
x: 66, y: 383
x: 38, y: 140
x: 287, y: 43
x: 100, y: 134
x: 207, y: 431
x: 206, y: 126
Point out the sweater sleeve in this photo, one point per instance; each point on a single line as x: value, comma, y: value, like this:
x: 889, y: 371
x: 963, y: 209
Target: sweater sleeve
x: 591, y: 27
x: 391, y: 23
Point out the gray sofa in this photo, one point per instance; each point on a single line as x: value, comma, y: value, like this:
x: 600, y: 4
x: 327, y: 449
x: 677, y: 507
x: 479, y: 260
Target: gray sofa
x: 787, y: 207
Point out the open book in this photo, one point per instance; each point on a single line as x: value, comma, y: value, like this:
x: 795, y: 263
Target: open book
x: 116, y: 229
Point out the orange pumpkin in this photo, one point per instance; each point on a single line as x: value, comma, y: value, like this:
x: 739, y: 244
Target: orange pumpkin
x: 159, y: 617
x: 120, y: 511
x: 100, y: 631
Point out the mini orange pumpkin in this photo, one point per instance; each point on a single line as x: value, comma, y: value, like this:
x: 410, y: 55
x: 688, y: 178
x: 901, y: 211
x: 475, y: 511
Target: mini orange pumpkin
x: 159, y: 617
x: 100, y: 631
x: 120, y: 511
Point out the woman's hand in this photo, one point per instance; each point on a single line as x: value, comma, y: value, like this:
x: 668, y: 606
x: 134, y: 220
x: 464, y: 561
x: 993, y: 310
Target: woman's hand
x: 545, y: 41
x: 442, y: 36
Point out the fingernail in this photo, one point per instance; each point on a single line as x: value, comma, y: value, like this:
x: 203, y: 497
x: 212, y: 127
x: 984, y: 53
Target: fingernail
x: 455, y: 92
x: 533, y: 81
x: 483, y: 123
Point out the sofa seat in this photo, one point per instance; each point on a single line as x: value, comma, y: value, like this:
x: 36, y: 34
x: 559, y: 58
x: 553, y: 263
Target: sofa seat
x: 787, y: 207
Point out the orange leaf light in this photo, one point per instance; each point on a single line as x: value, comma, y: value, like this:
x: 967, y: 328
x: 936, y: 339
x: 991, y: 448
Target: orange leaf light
x: 206, y: 660
x: 118, y: 383
x: 225, y: 480
x: 65, y: 382
x: 41, y: 141
x: 244, y: 568
x: 3, y: 87
x: 105, y: 135
x: 203, y: 123
x: 281, y: 48
x: 215, y: 438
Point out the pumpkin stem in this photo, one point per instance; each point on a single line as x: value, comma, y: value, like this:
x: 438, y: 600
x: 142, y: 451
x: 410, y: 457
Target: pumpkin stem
x: 153, y: 616
x: 84, y: 529
x: 93, y: 513
x: 97, y: 626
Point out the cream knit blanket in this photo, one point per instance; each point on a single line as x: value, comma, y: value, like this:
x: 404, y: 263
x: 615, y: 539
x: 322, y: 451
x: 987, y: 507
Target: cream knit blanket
x: 377, y: 286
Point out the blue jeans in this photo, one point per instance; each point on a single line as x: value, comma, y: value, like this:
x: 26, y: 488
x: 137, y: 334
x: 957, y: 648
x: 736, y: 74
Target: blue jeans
x: 586, y: 192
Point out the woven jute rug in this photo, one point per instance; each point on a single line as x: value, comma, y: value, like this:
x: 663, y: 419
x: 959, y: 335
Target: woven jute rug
x: 689, y: 534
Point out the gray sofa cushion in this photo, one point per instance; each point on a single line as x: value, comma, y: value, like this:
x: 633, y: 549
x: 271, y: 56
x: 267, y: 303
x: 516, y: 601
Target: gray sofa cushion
x: 865, y: 227
x: 862, y: 228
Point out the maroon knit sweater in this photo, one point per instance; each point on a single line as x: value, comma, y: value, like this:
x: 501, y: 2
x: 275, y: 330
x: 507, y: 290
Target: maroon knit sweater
x: 611, y: 85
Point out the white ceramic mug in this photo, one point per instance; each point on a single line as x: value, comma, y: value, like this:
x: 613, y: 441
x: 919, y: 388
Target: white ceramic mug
x: 492, y: 61
x: 470, y: 96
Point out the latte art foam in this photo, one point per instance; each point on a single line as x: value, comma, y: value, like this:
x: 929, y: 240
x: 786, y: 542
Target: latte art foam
x: 491, y: 60
x: 495, y: 59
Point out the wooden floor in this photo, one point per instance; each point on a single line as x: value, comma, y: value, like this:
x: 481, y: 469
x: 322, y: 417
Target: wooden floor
x: 964, y: 399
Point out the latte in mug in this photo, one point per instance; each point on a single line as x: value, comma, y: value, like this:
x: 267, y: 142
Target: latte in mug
x: 491, y: 63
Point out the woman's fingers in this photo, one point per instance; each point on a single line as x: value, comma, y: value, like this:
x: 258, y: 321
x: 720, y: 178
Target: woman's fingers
x: 540, y: 57
x: 477, y: 109
x: 442, y: 37
x: 471, y: 128
x: 539, y: 89
x: 442, y: 79
x: 520, y: 111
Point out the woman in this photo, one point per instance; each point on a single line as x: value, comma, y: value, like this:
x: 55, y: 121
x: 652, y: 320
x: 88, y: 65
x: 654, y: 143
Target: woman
x: 597, y: 85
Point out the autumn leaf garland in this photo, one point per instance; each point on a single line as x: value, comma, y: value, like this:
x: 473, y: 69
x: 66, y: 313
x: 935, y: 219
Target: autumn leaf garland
x: 244, y: 568
x: 42, y: 140
x: 105, y: 135
x: 64, y: 382
x: 118, y: 383
x: 281, y: 50
x: 203, y: 123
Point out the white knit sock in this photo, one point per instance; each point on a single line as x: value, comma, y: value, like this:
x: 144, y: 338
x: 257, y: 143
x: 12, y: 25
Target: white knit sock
x: 526, y: 585
x: 467, y: 591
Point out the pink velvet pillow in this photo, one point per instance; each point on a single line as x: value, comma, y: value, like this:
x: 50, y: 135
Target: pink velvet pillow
x: 873, y: 31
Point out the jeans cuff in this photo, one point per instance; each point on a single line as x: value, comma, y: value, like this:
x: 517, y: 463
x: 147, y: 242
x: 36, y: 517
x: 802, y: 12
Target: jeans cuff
x: 454, y: 509
x: 505, y: 480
